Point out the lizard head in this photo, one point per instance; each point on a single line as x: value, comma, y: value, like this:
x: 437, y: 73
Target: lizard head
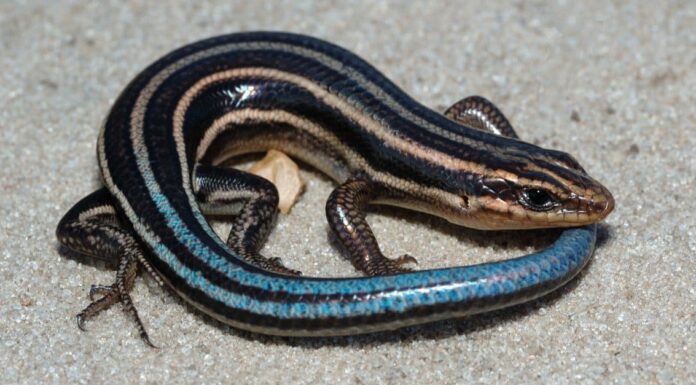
x: 531, y: 188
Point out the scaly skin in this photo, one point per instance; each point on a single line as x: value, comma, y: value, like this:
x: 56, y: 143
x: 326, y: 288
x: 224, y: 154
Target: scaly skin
x: 166, y: 136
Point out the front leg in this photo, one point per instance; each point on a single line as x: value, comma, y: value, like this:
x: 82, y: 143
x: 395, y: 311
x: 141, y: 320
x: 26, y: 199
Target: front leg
x: 345, y: 211
x: 252, y: 200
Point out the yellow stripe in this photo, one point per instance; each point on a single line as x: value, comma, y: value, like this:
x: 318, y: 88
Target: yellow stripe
x: 355, y: 161
x: 371, y: 125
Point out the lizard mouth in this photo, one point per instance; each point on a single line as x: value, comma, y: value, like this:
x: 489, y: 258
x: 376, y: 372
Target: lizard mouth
x: 596, y: 207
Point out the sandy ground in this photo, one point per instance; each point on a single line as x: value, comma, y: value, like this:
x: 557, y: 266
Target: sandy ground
x: 613, y: 85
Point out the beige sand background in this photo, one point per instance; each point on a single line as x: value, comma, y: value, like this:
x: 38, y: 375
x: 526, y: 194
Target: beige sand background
x: 612, y: 84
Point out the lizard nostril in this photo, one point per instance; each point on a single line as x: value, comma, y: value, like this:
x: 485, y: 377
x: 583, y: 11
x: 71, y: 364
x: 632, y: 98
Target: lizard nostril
x: 599, y: 206
x: 603, y: 206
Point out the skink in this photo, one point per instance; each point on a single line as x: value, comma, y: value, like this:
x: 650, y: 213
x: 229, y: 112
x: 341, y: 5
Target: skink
x: 162, y: 151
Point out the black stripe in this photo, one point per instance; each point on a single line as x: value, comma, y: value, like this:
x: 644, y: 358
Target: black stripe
x: 317, y: 72
x: 163, y: 155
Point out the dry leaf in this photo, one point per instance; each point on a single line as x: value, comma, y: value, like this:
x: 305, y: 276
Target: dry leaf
x: 284, y: 174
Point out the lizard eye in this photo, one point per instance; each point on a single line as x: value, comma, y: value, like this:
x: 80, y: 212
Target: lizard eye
x: 537, y: 199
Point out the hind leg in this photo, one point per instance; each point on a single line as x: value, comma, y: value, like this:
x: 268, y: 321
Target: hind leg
x: 478, y: 112
x: 91, y: 228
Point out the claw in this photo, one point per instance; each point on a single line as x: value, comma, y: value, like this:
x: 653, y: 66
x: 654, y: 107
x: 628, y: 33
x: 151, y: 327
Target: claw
x: 296, y: 273
x: 110, y: 295
x: 406, y: 259
x: 284, y: 270
x: 146, y: 339
x: 99, y: 290
x: 96, y: 306
x: 388, y: 266
x: 275, y: 264
x: 81, y: 322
